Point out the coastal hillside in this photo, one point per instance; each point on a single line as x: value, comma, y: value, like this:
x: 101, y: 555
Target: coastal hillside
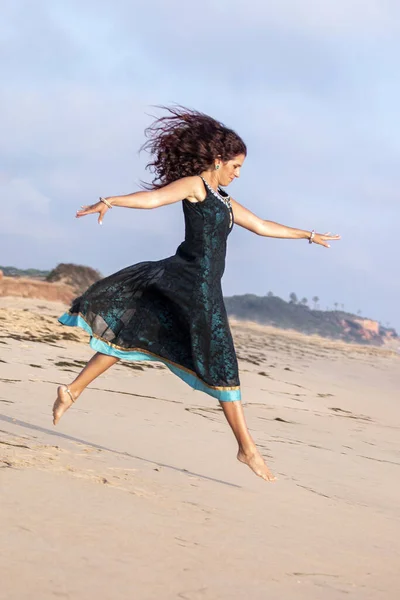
x: 78, y: 277
x: 62, y: 284
x: 335, y: 324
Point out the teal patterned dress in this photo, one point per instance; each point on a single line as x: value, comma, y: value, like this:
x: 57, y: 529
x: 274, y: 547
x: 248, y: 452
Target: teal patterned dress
x: 172, y: 310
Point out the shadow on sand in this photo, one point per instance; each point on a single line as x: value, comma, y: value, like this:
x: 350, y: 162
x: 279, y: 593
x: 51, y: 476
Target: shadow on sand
x: 71, y: 438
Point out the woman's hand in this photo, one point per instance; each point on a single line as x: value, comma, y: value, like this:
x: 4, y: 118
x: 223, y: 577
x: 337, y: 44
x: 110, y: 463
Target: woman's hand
x: 323, y: 238
x: 92, y: 209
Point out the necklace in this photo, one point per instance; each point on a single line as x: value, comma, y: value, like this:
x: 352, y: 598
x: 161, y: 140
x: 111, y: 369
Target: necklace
x: 225, y: 199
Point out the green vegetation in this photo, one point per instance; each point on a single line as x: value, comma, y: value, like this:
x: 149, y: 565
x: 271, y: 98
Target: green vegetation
x: 33, y: 273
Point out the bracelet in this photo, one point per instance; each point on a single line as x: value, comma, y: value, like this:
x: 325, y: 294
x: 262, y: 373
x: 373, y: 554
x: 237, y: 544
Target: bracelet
x: 311, y: 238
x: 106, y: 202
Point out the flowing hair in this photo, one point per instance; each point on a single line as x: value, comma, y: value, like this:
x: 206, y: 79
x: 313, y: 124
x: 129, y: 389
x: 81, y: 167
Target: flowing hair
x: 186, y: 142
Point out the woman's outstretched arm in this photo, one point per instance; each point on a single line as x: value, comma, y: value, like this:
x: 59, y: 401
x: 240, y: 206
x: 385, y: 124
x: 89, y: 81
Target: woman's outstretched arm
x: 245, y: 218
x: 187, y: 187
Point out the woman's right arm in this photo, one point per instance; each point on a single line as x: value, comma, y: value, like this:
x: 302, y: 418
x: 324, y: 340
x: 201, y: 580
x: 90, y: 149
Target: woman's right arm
x: 187, y: 187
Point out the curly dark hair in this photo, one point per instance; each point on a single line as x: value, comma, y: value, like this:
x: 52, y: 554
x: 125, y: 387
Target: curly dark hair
x: 186, y: 142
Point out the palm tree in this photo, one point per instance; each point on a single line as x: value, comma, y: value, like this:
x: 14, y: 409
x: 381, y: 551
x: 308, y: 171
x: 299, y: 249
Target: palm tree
x: 304, y: 301
x: 293, y: 298
x: 315, y: 300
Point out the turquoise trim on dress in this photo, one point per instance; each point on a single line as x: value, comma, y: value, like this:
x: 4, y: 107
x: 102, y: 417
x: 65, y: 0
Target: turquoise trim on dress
x: 188, y: 377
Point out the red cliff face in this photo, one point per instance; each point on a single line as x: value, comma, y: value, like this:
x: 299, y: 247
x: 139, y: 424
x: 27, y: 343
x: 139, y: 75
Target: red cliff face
x: 366, y: 330
x: 369, y: 326
x: 29, y: 288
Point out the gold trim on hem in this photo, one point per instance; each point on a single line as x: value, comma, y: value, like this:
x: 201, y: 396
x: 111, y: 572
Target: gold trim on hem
x: 212, y: 387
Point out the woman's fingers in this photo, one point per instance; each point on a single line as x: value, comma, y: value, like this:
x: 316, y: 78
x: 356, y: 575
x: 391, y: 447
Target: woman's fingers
x: 323, y: 238
x: 85, y: 210
x: 90, y: 209
x: 331, y: 236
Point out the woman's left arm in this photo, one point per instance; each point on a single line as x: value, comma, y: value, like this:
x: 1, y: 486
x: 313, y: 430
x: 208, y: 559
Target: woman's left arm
x: 245, y: 218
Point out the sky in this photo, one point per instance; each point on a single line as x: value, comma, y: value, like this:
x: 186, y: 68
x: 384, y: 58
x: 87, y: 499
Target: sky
x: 312, y: 87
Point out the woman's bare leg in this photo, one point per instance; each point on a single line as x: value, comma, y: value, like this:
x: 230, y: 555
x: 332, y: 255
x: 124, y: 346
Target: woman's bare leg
x: 248, y: 453
x: 95, y: 367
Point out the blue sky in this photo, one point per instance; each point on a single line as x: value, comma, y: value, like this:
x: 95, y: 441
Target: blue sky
x: 312, y: 87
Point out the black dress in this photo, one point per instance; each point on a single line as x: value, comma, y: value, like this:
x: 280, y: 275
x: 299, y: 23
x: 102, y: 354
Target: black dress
x: 171, y: 310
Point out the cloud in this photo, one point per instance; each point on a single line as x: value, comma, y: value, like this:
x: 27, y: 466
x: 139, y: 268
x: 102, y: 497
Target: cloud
x: 26, y: 210
x: 328, y: 19
x: 20, y: 195
x: 308, y: 84
x: 306, y: 16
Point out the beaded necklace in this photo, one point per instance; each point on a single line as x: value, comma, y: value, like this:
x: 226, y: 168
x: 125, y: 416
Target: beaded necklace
x: 225, y: 199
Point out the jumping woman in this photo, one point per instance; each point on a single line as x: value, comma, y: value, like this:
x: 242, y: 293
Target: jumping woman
x: 172, y: 310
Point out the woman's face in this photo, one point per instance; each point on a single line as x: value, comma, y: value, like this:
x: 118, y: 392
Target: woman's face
x: 230, y: 169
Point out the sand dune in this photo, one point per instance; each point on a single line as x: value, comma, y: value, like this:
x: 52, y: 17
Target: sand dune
x: 24, y: 287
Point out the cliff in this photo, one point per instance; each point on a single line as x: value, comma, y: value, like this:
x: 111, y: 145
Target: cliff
x: 62, y: 284
x: 31, y: 288
x: 290, y: 315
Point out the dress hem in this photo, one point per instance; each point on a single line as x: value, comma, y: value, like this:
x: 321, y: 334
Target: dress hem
x: 224, y: 394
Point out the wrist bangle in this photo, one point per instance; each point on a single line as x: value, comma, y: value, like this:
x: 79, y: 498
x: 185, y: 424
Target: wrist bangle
x: 311, y: 238
x: 106, y: 202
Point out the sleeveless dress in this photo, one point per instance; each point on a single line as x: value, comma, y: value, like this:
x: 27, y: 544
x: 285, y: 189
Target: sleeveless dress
x: 172, y: 310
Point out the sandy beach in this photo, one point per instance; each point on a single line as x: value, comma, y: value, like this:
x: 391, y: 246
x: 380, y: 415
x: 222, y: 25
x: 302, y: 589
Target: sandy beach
x: 137, y: 492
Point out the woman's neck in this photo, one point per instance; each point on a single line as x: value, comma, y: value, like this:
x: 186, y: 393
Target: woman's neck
x: 212, y: 179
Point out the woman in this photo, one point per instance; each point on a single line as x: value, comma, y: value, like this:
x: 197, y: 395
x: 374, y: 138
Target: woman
x: 172, y: 310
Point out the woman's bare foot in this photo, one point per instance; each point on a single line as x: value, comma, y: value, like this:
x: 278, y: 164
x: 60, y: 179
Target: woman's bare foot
x: 255, y: 461
x: 63, y: 401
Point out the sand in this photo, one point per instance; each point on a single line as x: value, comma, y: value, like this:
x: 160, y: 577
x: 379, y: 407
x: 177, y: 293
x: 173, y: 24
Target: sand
x: 137, y: 492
